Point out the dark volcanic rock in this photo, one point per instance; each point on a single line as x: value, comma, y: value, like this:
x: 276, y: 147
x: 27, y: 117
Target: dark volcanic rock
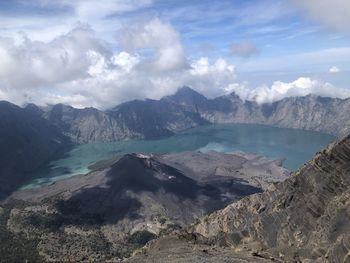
x: 86, y: 125
x: 134, y: 200
x: 188, y: 99
x: 152, y: 118
x: 27, y: 141
x: 134, y: 119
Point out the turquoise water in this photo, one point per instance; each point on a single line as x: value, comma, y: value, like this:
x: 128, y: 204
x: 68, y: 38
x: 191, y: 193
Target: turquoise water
x: 293, y: 146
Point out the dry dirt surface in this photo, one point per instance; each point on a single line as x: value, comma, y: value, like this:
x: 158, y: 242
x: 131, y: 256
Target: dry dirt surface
x: 177, y: 250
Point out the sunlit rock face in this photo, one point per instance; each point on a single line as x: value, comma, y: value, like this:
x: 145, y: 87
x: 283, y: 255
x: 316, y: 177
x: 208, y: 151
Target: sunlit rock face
x: 305, y: 217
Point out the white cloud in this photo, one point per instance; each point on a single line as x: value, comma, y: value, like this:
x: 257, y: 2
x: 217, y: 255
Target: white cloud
x: 44, y: 20
x: 304, y: 62
x: 334, y: 69
x: 160, y: 37
x: 211, y: 79
x: 33, y: 63
x: 244, y: 49
x: 334, y: 14
x: 79, y: 69
x: 301, y: 87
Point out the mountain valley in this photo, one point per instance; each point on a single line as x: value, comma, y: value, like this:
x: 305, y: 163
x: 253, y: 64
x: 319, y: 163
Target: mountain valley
x: 159, y: 199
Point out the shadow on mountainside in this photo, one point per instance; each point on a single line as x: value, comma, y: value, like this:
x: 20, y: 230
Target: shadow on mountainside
x: 131, y: 176
x: 27, y: 142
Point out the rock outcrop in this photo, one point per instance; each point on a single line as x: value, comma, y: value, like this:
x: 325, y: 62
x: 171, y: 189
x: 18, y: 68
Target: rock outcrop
x: 309, y: 112
x: 303, y: 219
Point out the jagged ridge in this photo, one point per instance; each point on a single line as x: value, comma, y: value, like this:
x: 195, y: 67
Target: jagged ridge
x: 188, y: 108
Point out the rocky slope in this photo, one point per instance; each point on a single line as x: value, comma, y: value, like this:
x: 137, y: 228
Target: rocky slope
x: 310, y: 112
x: 153, y: 118
x: 109, y: 213
x: 86, y: 125
x: 303, y: 219
x: 27, y: 141
x: 135, y: 119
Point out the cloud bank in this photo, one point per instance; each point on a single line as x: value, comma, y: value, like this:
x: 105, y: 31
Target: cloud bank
x: 332, y: 13
x: 79, y: 69
x: 279, y: 90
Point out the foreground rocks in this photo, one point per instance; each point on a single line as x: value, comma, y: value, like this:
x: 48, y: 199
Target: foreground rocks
x: 115, y: 210
x: 303, y: 219
x: 177, y: 250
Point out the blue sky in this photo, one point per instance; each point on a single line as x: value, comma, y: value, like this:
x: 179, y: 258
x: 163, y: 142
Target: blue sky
x: 266, y: 41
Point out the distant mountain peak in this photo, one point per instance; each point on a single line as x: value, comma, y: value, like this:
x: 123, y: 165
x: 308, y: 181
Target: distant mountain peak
x: 187, y: 97
x: 234, y: 95
x: 187, y: 91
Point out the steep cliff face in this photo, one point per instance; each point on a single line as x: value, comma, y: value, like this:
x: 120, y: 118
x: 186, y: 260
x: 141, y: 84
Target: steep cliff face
x: 306, y: 217
x: 313, y: 113
x: 310, y: 112
x: 86, y: 125
x: 27, y: 141
x: 153, y: 118
x: 134, y: 119
x: 188, y: 108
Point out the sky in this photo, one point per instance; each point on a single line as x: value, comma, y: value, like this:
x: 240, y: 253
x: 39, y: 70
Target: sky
x: 102, y: 53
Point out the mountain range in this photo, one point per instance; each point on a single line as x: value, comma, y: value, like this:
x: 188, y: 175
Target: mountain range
x: 34, y: 135
x: 124, y: 203
x: 188, y: 108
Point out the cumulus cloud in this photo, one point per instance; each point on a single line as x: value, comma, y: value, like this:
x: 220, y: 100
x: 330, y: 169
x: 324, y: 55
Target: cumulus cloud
x: 244, y: 49
x: 211, y: 79
x: 334, y: 69
x: 79, y: 69
x: 161, y: 38
x: 278, y: 90
x: 334, y: 14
